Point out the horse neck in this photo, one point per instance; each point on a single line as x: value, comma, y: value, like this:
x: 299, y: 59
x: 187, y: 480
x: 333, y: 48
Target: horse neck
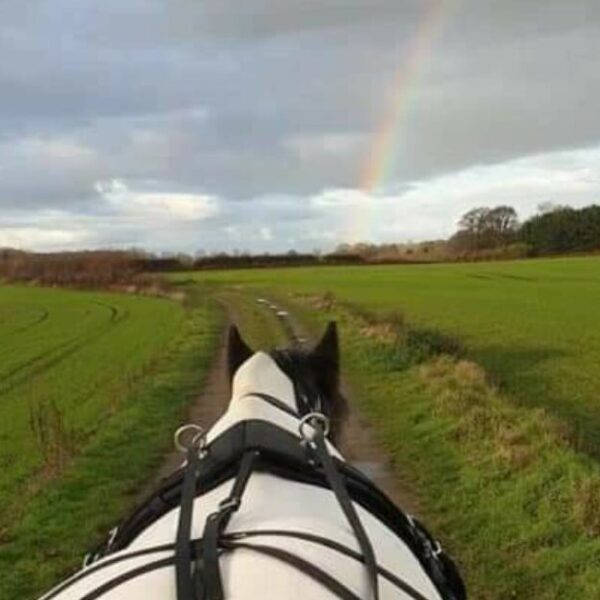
x: 258, y: 375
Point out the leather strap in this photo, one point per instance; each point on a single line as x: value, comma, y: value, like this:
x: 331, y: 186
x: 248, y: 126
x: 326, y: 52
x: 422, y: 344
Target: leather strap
x: 276, y: 402
x: 183, y: 556
x: 125, y: 577
x: 307, y: 568
x: 215, y: 526
x: 338, y: 487
x: 282, y: 455
x: 332, y: 545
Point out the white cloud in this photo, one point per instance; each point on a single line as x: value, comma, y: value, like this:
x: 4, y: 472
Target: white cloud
x: 159, y: 216
x: 127, y: 215
x: 430, y: 208
x: 38, y: 238
x: 265, y: 234
x: 156, y: 206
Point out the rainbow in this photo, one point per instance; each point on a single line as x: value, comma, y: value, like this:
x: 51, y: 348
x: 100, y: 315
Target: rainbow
x: 383, y: 154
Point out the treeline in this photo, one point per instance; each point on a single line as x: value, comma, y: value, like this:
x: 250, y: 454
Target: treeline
x: 223, y: 260
x: 483, y: 234
x: 553, y: 230
x: 114, y: 269
x: 563, y: 230
x: 97, y: 269
x: 408, y: 252
x: 495, y: 234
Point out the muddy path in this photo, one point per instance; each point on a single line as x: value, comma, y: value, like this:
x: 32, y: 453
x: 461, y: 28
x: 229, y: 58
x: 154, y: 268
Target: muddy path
x: 358, y: 443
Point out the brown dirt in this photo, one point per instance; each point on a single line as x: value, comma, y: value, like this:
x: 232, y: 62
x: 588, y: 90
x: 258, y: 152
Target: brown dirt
x: 361, y: 448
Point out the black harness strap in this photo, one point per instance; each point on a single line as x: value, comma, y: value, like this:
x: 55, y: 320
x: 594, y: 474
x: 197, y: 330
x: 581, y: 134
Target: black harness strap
x: 276, y: 402
x: 282, y: 454
x: 106, y: 563
x: 183, y: 557
x: 305, y: 567
x: 230, y: 538
x: 215, y: 526
x: 341, y: 493
x: 332, y: 545
x: 216, y: 523
x: 127, y: 576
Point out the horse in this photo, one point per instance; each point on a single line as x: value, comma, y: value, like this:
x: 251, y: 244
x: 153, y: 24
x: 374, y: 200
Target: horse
x: 265, y: 507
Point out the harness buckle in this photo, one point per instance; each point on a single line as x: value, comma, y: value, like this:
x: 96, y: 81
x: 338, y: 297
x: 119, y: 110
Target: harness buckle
x: 317, y: 421
x: 229, y: 504
x: 198, y: 438
x: 89, y: 559
x: 430, y: 545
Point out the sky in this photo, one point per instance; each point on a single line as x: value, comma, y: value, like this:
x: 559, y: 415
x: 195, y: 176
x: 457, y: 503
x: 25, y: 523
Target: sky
x: 263, y: 125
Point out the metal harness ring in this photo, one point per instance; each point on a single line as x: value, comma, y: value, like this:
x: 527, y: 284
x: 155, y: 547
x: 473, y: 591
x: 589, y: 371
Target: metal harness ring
x: 198, y: 439
x: 316, y: 420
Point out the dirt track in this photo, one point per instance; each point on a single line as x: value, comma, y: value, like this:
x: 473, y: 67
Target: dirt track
x: 359, y: 443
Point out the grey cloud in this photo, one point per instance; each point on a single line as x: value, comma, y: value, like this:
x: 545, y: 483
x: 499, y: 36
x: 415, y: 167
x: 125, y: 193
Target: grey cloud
x: 225, y: 98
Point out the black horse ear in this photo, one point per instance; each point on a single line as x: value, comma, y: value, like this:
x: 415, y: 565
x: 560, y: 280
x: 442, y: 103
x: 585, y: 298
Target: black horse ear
x: 238, y: 352
x: 327, y: 351
x: 325, y: 363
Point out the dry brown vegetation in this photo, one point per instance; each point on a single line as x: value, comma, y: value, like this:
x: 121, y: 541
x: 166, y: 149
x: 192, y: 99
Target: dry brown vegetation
x: 95, y: 269
x: 586, y: 505
x: 122, y: 271
x: 462, y: 389
x: 55, y: 441
x: 519, y: 438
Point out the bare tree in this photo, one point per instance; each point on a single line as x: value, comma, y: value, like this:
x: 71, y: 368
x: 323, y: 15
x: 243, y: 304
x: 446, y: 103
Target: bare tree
x: 484, y: 227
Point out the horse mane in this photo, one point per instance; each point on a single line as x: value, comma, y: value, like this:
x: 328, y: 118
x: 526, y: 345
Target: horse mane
x: 315, y: 377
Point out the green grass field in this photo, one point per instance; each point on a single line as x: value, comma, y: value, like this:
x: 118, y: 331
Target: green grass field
x: 501, y: 447
x: 68, y: 357
x: 91, y: 387
x: 533, y: 325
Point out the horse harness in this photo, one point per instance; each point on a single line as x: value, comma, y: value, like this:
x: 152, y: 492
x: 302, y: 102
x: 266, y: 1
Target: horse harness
x: 247, y: 447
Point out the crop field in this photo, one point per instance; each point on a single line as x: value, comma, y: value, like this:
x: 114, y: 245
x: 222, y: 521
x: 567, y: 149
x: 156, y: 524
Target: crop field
x: 483, y: 383
x: 64, y: 361
x: 481, y: 380
x: 90, y: 386
x: 533, y: 325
